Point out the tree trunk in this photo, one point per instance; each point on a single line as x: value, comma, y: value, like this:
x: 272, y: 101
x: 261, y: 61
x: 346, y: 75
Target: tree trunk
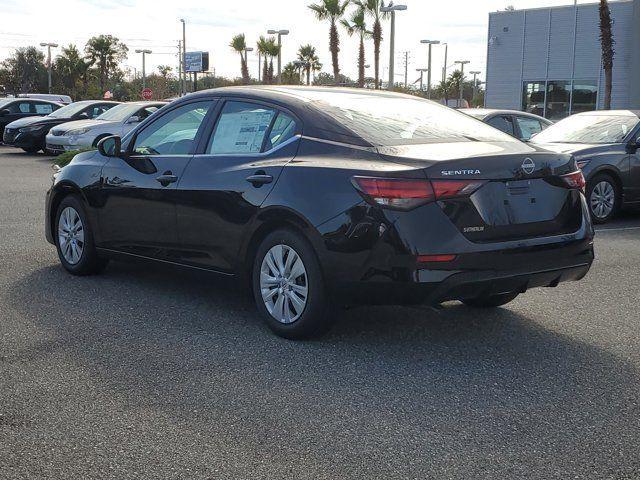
x: 270, y: 72
x: 308, y: 75
x: 244, y: 70
x: 334, y: 47
x: 377, y: 39
x: 607, y: 41
x: 361, y: 61
x: 265, y: 71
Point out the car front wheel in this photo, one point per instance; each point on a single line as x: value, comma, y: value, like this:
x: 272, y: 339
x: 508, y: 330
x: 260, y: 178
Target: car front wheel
x: 74, y: 239
x: 288, y: 286
x: 603, y: 196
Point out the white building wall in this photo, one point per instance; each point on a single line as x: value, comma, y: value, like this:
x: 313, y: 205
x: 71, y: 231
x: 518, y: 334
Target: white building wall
x: 539, y: 45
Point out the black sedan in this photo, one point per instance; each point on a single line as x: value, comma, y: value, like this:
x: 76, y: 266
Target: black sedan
x: 605, y: 146
x: 12, y: 109
x: 324, y: 197
x: 521, y: 125
x: 30, y: 133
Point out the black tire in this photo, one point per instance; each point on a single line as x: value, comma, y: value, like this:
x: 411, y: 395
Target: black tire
x: 491, y: 301
x: 601, y: 179
x: 312, y: 322
x: 89, y: 262
x: 32, y: 150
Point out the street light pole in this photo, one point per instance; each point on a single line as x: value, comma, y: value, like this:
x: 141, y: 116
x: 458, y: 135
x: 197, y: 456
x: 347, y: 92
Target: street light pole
x: 430, y: 43
x: 144, y: 71
x: 184, y: 56
x: 444, y: 67
x: 246, y: 59
x: 475, y: 84
x: 422, y: 70
x: 49, y: 45
x: 392, y: 40
x: 462, y: 63
x: 280, y: 33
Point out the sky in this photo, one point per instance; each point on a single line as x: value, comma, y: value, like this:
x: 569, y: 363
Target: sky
x: 211, y: 24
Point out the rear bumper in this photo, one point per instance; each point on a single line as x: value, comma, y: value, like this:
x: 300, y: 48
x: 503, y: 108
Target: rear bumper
x: 479, y: 274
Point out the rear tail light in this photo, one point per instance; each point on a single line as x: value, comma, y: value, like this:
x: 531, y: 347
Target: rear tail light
x: 574, y: 180
x: 405, y: 194
x: 436, y: 258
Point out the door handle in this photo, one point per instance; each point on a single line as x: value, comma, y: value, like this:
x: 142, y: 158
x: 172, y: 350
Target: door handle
x: 259, y: 179
x: 166, y: 178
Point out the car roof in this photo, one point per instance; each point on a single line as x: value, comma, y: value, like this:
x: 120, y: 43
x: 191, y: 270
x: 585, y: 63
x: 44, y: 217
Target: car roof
x: 88, y: 102
x: 611, y: 113
x: 485, y: 112
x: 32, y: 100
x: 300, y: 100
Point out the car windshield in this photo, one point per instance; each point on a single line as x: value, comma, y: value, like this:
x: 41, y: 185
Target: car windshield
x: 591, y: 129
x: 119, y: 113
x: 69, y: 111
x: 394, y: 120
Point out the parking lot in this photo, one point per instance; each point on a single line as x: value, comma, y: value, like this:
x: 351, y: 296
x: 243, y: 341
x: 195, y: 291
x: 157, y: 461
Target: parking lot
x: 156, y: 373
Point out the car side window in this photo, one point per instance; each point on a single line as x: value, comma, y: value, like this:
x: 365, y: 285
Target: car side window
x: 503, y: 123
x: 283, y: 129
x: 145, y: 112
x: 173, y: 133
x: 241, y: 128
x: 43, y: 108
x: 528, y: 127
x: 21, y: 107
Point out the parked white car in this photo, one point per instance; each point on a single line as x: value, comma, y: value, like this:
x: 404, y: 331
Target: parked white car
x: 87, y: 133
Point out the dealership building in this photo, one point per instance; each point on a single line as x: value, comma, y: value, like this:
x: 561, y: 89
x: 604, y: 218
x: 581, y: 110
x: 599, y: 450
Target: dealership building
x: 548, y: 61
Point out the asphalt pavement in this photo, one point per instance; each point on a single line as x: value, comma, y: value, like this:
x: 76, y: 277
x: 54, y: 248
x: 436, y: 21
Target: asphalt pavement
x: 148, y: 372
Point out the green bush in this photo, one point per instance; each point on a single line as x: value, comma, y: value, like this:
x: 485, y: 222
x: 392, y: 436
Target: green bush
x: 66, y: 157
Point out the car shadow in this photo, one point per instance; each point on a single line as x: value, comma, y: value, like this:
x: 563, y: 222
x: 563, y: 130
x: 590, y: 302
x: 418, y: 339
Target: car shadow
x: 196, y: 343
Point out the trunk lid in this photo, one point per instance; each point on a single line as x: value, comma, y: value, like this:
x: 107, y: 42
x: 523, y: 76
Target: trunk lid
x: 522, y: 194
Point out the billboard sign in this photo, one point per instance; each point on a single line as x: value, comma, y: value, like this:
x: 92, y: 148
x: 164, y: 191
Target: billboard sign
x: 196, y: 62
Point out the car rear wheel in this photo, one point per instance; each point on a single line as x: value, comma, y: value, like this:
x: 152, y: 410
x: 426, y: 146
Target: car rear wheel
x: 603, y: 197
x: 288, y: 286
x: 490, y: 301
x: 74, y: 239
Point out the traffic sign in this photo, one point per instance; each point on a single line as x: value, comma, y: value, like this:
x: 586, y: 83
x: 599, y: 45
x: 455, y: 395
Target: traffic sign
x: 147, y: 94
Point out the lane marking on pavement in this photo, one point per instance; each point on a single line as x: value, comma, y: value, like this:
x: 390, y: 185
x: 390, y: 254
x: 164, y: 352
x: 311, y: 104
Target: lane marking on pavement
x: 616, y: 229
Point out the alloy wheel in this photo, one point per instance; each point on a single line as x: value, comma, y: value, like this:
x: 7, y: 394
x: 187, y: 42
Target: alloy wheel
x: 284, y: 284
x: 71, y: 235
x: 603, y: 197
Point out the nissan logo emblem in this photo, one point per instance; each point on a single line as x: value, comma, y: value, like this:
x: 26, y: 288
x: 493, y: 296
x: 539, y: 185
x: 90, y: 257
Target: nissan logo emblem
x: 528, y: 166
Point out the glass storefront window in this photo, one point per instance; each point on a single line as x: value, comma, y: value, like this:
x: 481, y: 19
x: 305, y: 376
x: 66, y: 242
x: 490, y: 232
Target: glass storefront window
x: 558, y: 99
x: 585, y: 96
x: 554, y: 101
x: 533, y: 97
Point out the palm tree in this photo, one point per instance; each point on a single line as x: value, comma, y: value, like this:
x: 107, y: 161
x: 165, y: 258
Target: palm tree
x: 239, y: 44
x: 72, y: 68
x: 263, y: 50
x: 373, y: 8
x: 607, y: 42
x: 273, y: 50
x: 358, y: 26
x: 307, y: 55
x: 106, y: 51
x: 332, y: 10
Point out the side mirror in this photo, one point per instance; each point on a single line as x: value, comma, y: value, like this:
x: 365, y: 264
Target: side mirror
x: 634, y: 145
x: 134, y: 119
x: 4, y: 112
x: 110, y: 146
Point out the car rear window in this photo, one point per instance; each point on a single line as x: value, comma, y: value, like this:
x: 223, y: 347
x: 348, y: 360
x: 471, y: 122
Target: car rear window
x: 396, y: 120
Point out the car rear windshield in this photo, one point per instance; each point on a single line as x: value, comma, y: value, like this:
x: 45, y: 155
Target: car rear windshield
x: 396, y: 120
x: 592, y: 129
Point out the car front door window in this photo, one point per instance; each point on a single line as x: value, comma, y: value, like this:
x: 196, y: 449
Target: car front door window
x: 174, y: 133
x: 503, y: 123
